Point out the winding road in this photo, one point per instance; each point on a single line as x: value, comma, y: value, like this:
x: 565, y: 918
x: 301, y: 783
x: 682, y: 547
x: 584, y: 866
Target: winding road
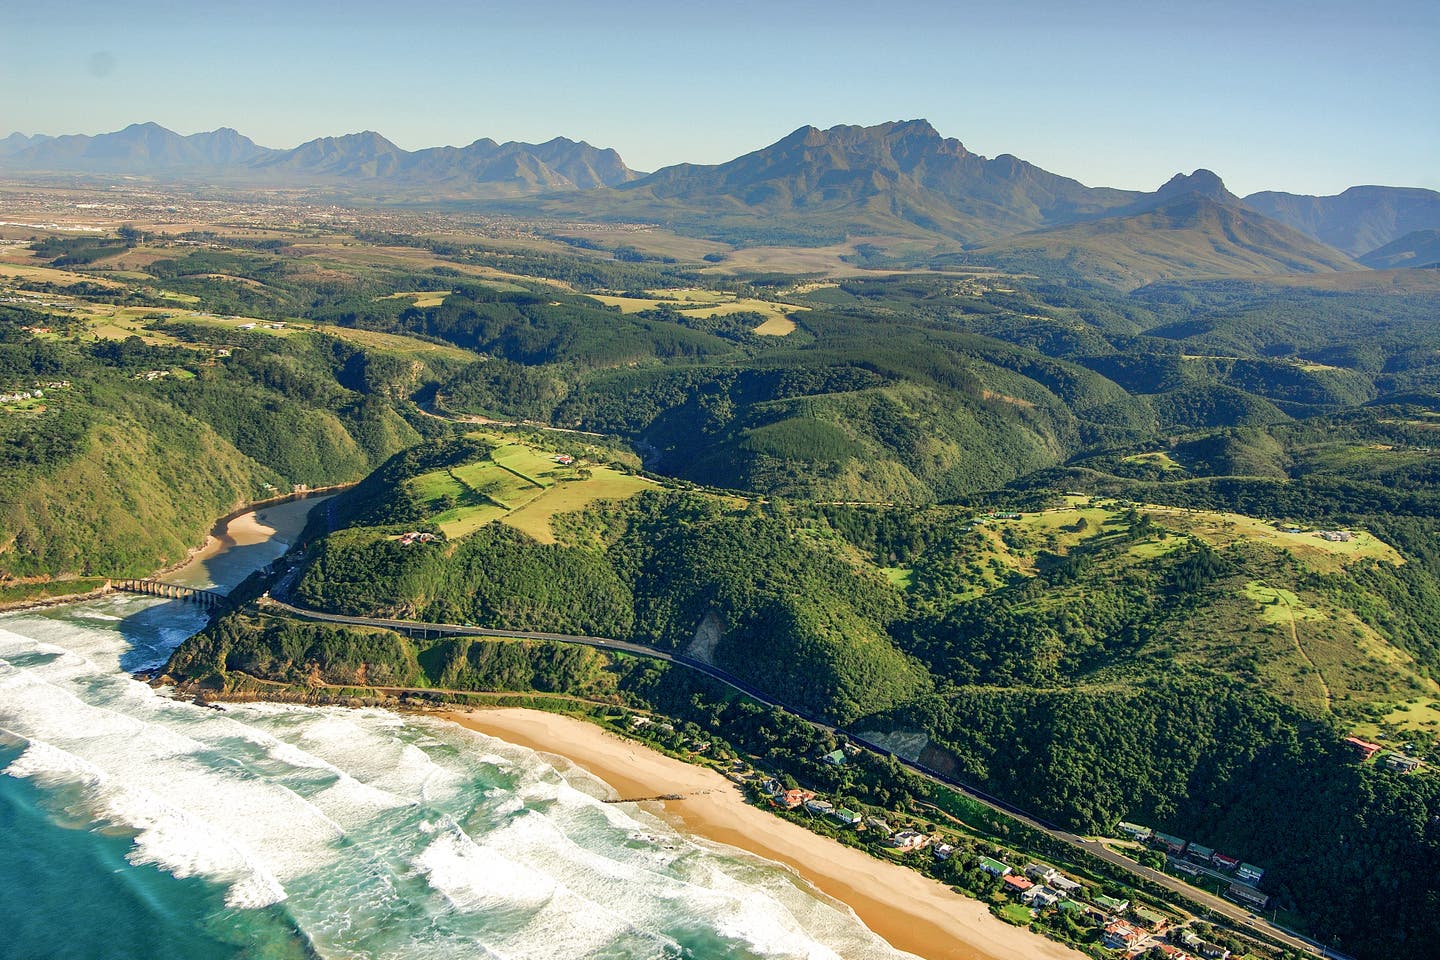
x: 1232, y: 912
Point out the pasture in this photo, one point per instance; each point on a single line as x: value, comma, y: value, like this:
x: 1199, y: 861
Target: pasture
x: 519, y: 485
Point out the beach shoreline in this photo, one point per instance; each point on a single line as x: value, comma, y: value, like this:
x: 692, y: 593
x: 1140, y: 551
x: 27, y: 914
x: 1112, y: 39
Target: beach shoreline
x: 908, y: 910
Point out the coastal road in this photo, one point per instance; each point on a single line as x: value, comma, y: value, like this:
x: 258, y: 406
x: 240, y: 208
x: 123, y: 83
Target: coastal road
x: 1232, y: 912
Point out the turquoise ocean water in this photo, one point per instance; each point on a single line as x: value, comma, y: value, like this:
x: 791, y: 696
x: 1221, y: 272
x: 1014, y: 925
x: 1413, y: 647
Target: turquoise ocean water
x: 134, y: 825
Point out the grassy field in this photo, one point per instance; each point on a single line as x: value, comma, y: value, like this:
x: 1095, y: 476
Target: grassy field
x: 700, y: 304
x: 1418, y: 714
x: 420, y: 298
x: 900, y: 577
x: 20, y: 271
x: 1278, y: 605
x: 1158, y: 459
x: 520, y: 485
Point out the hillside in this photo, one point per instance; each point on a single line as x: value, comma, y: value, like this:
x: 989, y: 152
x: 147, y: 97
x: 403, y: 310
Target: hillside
x: 1420, y: 248
x: 1088, y: 657
x: 1357, y: 221
x: 1189, y: 236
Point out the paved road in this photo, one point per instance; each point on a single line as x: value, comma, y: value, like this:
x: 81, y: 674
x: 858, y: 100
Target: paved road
x: 1236, y: 914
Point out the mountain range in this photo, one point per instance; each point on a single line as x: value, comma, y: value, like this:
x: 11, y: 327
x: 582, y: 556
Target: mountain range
x: 899, y: 179
x: 359, y: 160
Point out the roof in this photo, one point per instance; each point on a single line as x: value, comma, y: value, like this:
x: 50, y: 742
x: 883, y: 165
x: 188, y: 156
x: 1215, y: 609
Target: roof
x: 1019, y: 882
x: 990, y: 863
x: 1110, y: 903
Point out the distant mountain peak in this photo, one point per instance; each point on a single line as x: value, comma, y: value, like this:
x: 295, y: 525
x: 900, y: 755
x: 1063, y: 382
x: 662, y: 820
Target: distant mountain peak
x: 1207, y: 183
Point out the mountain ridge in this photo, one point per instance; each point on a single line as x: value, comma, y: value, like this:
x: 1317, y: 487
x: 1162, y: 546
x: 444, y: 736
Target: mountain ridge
x: 813, y: 186
x: 366, y: 157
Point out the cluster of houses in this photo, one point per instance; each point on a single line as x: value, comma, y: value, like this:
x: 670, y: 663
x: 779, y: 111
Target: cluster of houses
x: 1395, y: 760
x: 19, y: 395
x: 415, y: 536
x: 1132, y: 929
x: 1196, y: 858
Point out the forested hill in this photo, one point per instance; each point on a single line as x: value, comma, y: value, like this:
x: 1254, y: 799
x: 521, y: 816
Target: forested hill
x: 1147, y: 554
x: 1090, y: 657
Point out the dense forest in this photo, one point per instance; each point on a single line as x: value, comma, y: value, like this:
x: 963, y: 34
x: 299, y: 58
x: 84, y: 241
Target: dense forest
x: 1067, y: 539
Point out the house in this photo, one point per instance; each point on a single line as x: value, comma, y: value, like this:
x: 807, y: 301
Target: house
x: 564, y: 459
x: 1225, y: 862
x: 793, y: 798
x: 908, y: 840
x: 1197, y: 852
x: 1173, y: 953
x: 1016, y: 884
x: 1134, y: 830
x: 943, y: 851
x: 1336, y: 536
x: 878, y: 825
x: 1398, y: 761
x: 848, y: 817
x: 1188, y: 939
x: 994, y: 867
x: 1150, y: 918
x: 1213, y: 951
x: 1039, y: 897
x: 1249, y: 873
x: 1115, y: 907
x: 816, y: 805
x: 1038, y: 872
x: 1173, y: 844
x: 1183, y: 866
x: 771, y: 787
x: 1119, y: 935
x: 835, y: 758
x: 246, y: 326
x: 1247, y: 896
x: 1064, y: 884
x: 1364, y: 748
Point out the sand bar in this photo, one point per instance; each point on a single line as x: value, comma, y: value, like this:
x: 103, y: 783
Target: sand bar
x: 912, y: 912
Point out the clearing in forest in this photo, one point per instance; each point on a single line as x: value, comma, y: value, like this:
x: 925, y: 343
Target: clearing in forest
x: 520, y: 485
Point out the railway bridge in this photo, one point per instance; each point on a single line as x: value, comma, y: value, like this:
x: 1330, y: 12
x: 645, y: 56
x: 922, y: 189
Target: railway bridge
x: 208, y: 599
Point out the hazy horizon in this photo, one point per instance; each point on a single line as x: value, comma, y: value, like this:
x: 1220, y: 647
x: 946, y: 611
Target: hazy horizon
x: 1306, y: 98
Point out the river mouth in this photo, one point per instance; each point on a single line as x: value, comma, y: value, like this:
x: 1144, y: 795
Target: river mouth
x: 244, y: 544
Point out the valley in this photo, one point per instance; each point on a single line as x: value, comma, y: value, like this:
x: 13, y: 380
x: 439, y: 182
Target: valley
x: 1115, y: 542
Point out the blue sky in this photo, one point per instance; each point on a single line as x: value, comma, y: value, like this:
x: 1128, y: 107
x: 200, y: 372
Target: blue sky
x: 1305, y: 97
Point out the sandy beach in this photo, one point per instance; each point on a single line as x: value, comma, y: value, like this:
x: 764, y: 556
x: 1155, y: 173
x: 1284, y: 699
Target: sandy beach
x: 910, y: 911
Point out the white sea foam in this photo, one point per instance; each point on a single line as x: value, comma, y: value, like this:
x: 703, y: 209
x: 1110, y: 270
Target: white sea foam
x: 384, y: 834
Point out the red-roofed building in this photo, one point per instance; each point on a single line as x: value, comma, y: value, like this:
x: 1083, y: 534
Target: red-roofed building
x: 1365, y: 748
x: 791, y: 799
x: 1121, y: 936
x: 1224, y: 861
x: 1015, y: 883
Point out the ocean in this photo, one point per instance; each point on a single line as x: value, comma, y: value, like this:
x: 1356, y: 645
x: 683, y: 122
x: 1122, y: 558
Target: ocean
x: 136, y: 825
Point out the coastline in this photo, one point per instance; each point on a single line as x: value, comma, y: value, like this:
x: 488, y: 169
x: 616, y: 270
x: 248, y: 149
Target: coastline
x: 238, y: 528
x: 910, y: 911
